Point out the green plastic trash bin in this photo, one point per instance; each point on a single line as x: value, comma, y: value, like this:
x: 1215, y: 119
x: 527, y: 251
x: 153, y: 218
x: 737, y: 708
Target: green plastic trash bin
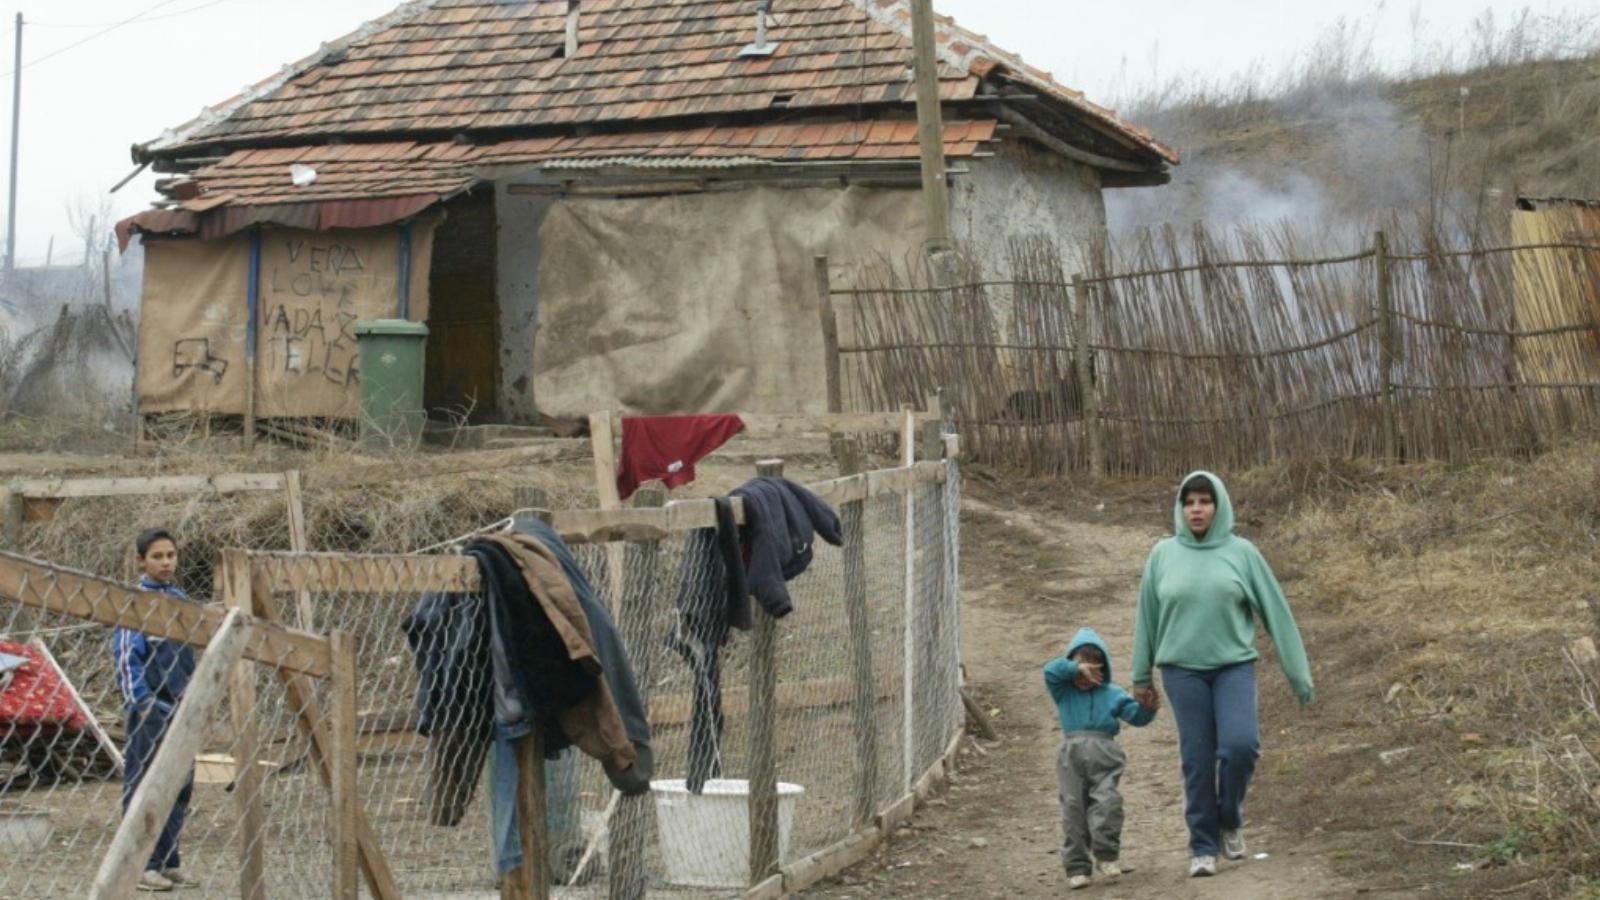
x: 392, y: 355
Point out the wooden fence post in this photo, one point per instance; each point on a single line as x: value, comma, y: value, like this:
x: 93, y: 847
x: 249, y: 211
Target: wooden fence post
x: 294, y: 502
x: 1088, y: 389
x: 1387, y: 349
x: 764, y: 732
x: 863, y: 699
x: 629, y: 880
x: 237, y: 594
x: 830, y: 335
x: 531, y: 880
x: 16, y: 511
x: 346, y: 763
x: 158, y: 790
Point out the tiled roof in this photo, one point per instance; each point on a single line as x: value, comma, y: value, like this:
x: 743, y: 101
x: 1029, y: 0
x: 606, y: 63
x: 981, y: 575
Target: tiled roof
x: 474, y: 66
x: 353, y: 171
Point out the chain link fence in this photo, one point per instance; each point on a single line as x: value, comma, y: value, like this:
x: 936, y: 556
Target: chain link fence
x: 866, y: 704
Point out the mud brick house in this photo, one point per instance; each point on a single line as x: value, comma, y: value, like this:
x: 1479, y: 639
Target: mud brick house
x: 596, y: 204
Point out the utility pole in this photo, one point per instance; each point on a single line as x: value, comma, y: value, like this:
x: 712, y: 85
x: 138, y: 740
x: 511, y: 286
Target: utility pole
x: 930, y: 133
x: 16, y: 124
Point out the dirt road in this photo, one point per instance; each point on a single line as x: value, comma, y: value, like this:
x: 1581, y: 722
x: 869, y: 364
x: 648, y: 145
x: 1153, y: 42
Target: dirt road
x: 1031, y: 578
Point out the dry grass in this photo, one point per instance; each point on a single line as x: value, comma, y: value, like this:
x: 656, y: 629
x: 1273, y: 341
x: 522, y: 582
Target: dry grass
x: 1439, y: 605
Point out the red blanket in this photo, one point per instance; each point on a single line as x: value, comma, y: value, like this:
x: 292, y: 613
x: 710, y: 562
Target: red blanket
x: 36, y: 697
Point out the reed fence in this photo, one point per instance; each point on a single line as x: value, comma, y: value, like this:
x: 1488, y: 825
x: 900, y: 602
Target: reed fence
x: 1192, y: 351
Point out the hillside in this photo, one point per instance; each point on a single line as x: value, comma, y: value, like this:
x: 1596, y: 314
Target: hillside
x: 1346, y: 151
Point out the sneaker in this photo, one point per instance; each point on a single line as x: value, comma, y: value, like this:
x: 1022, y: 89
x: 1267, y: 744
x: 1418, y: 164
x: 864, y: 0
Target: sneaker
x: 179, y: 879
x: 154, y: 882
x: 1202, y: 866
x: 1110, y: 870
x: 1078, y: 882
x: 1233, y: 843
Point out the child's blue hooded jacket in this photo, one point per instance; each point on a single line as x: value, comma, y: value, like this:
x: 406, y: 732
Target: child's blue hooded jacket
x: 1103, y: 708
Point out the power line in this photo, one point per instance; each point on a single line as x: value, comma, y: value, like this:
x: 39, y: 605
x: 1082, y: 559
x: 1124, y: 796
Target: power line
x: 141, y: 19
x: 98, y: 34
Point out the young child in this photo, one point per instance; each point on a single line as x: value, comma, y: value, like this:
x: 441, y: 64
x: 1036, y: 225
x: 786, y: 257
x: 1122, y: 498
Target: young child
x: 152, y: 674
x: 1090, y: 761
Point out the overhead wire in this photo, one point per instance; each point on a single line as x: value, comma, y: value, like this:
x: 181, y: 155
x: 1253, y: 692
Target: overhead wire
x: 110, y: 27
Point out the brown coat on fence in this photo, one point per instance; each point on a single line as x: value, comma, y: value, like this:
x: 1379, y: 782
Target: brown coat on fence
x: 595, y: 724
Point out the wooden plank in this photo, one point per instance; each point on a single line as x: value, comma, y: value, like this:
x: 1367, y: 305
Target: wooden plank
x: 768, y: 889
x: 863, y: 706
x: 831, y: 860
x: 237, y: 595
x: 759, y: 425
x: 67, y: 488
x: 16, y: 513
x: 1083, y: 359
x: 294, y: 502
x: 158, y: 790
x: 302, y: 695
x: 346, y: 792
x: 897, y: 814
x: 92, y: 599
x: 635, y: 622
x: 763, y: 738
x: 824, y: 693
x: 531, y: 880
x: 107, y: 745
x: 603, y: 439
x: 352, y: 573
x: 430, y: 466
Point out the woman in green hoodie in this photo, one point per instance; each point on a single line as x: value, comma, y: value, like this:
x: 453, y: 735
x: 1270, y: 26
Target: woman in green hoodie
x: 1202, y: 592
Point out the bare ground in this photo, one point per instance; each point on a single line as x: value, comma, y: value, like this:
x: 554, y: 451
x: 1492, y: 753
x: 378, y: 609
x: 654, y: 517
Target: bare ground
x: 1031, y: 577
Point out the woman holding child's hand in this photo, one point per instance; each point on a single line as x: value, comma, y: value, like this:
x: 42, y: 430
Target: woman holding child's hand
x: 1203, y: 590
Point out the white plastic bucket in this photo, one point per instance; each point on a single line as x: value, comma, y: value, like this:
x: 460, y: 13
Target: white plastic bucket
x: 705, y: 837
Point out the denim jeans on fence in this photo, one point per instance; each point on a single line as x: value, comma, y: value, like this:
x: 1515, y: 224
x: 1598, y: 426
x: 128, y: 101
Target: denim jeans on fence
x: 1219, y: 741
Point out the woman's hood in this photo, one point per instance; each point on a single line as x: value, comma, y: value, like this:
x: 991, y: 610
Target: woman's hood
x: 1221, y: 527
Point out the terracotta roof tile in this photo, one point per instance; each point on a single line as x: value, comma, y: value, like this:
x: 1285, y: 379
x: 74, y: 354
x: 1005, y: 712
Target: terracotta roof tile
x: 461, y: 65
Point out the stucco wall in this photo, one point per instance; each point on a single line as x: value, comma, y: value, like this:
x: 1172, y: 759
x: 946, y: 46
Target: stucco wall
x: 1024, y: 191
x: 517, y: 287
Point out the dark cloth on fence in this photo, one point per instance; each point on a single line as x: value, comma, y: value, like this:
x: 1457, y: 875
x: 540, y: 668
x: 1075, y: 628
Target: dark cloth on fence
x: 147, y: 725
x: 781, y: 521
x: 719, y: 573
x: 537, y: 649
x: 666, y: 448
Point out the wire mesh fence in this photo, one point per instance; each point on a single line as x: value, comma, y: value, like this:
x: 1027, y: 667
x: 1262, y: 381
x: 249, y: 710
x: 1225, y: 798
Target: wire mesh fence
x: 866, y: 702
x: 84, y: 707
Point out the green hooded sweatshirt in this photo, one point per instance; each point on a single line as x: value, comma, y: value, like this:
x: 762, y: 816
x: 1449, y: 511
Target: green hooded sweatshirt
x: 1199, y: 601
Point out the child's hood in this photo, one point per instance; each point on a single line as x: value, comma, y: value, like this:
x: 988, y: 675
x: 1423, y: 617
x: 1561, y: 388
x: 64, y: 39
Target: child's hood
x: 1221, y: 531
x: 1088, y: 637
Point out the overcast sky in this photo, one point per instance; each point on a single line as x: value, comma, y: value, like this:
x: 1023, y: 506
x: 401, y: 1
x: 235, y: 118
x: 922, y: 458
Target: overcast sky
x: 84, y: 106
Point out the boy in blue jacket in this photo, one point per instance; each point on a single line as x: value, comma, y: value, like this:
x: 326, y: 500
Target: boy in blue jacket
x: 1090, y: 761
x: 152, y: 674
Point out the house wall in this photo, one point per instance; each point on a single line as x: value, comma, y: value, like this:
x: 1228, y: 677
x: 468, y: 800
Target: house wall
x: 1025, y: 191
x: 517, y: 286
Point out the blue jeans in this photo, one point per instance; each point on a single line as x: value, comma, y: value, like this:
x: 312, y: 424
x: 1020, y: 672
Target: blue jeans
x: 1219, y: 741
x: 146, y: 726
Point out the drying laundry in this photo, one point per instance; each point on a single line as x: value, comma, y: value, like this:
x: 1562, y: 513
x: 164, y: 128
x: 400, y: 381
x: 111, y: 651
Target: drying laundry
x: 666, y: 448
x: 722, y: 567
x: 536, y: 650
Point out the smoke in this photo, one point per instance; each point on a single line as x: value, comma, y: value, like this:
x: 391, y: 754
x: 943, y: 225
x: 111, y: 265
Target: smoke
x: 1313, y: 160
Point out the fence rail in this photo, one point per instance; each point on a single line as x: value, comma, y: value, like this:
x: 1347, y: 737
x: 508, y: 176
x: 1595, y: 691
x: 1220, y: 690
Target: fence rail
x: 317, y: 784
x: 1193, y: 352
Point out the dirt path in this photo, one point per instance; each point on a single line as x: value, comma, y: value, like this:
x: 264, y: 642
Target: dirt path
x: 1031, y: 578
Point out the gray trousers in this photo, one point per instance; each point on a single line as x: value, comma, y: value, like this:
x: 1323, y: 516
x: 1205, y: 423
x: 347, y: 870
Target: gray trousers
x: 1088, y: 766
